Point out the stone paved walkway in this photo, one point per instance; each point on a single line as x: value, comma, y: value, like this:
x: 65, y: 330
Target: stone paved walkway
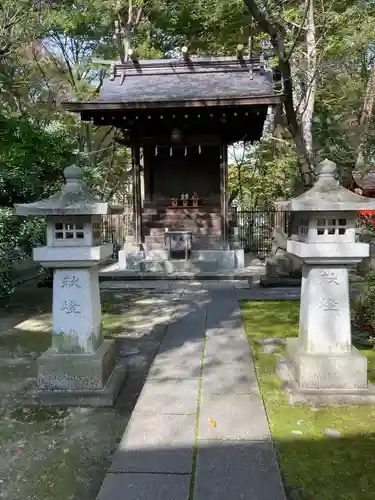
x: 199, y: 430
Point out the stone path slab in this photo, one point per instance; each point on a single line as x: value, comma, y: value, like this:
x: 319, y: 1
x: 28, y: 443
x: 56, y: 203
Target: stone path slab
x: 219, y: 378
x: 238, y: 417
x: 168, y: 397
x: 242, y: 470
x: 199, y: 430
x: 145, y: 487
x: 156, y: 444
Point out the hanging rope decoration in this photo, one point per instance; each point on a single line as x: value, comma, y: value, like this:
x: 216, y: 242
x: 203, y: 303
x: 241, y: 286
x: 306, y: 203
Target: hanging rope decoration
x: 177, y: 147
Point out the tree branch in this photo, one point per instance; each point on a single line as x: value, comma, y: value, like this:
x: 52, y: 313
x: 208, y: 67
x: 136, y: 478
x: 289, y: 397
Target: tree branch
x: 301, y: 27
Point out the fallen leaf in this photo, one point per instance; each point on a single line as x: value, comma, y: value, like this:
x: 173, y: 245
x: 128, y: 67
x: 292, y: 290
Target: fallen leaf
x: 212, y: 422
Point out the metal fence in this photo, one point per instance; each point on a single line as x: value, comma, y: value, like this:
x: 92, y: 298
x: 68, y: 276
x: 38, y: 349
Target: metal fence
x: 255, y: 229
x: 115, y: 229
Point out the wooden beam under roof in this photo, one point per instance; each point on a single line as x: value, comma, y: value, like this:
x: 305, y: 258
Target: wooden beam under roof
x: 198, y: 103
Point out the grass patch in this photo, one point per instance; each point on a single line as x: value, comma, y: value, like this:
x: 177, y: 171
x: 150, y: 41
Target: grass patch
x: 313, y: 465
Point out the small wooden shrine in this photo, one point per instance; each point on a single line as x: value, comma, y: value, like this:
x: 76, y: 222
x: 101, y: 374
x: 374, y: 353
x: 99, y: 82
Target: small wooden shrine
x: 178, y: 117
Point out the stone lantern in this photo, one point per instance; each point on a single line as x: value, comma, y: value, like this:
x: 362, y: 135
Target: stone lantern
x: 80, y: 367
x: 323, y: 359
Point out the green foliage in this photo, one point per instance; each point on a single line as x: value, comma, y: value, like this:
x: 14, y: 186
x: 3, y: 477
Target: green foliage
x: 258, y: 178
x: 363, y: 309
x: 31, y: 164
x: 206, y: 26
x: 31, y: 161
x: 17, y: 238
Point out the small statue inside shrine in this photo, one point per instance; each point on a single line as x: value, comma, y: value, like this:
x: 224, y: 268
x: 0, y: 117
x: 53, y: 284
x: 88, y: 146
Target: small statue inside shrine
x: 185, y: 199
x: 195, y: 199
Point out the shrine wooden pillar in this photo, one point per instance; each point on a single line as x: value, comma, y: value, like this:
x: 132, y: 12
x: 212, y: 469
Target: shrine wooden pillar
x: 224, y: 193
x: 137, y: 200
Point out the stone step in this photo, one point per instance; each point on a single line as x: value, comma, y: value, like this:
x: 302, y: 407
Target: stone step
x: 175, y: 265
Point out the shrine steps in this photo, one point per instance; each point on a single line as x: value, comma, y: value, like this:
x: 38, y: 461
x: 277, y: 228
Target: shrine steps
x: 204, y: 226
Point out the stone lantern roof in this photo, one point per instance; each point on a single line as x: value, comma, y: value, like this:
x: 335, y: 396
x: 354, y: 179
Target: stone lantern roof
x: 75, y: 198
x: 327, y: 195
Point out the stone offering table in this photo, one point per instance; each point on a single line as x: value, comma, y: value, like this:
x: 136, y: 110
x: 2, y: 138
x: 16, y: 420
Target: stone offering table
x: 80, y: 367
x: 178, y: 242
x: 322, y: 359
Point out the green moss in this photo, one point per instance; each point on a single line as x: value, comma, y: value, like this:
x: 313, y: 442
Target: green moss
x: 64, y: 342
x: 112, y: 325
x: 318, y: 467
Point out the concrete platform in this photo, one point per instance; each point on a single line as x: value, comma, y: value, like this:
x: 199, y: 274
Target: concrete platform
x: 183, y: 270
x: 199, y: 430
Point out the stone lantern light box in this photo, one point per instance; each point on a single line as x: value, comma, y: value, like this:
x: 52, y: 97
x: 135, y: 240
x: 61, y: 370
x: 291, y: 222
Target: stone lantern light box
x: 80, y: 360
x: 322, y: 358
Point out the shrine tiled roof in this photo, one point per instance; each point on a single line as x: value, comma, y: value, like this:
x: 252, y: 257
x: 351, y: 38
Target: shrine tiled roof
x: 177, y: 81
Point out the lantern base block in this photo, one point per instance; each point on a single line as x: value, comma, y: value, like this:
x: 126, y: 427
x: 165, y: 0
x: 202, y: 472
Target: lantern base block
x: 78, y: 379
x: 296, y: 395
x: 333, y: 372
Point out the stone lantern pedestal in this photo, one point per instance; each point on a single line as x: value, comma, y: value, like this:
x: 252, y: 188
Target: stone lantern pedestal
x: 80, y: 367
x: 322, y: 359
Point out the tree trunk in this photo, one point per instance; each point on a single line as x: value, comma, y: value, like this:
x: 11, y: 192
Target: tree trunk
x: 128, y: 20
x: 278, y: 127
x: 308, y: 102
x: 365, y: 119
x: 277, y: 34
x: 305, y: 167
